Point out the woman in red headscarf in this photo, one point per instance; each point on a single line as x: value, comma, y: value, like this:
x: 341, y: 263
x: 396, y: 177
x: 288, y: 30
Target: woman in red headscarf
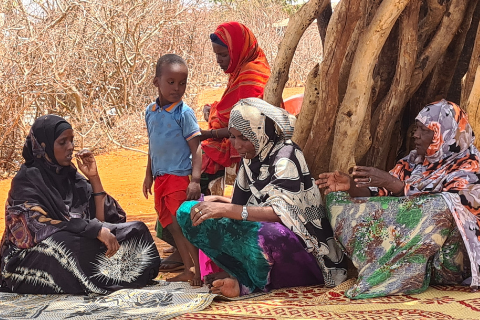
x: 239, y: 55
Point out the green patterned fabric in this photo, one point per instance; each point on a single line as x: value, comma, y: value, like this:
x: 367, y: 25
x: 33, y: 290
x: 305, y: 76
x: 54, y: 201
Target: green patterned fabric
x: 398, y: 244
x: 249, y: 266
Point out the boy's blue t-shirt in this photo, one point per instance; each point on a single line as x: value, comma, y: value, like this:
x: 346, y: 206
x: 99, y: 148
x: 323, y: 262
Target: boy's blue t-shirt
x: 169, y: 129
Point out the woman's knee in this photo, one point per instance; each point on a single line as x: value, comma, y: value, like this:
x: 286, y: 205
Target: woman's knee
x: 183, y: 217
x: 276, y: 235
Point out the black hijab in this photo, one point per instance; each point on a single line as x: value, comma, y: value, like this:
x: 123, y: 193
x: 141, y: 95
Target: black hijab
x: 62, y: 192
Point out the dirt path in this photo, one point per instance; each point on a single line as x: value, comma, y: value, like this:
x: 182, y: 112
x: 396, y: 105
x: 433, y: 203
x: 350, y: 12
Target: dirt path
x: 122, y: 173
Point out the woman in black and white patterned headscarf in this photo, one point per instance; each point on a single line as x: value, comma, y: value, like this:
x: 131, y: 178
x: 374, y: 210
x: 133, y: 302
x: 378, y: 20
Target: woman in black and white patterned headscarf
x: 273, y: 233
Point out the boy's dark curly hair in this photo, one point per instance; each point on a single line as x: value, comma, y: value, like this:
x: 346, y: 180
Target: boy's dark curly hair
x: 168, y: 59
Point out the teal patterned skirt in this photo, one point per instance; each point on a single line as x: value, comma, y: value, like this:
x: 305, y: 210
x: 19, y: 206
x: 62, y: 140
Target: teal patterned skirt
x: 398, y: 244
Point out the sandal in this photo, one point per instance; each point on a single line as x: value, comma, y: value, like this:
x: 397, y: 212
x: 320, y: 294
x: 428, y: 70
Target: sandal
x: 173, y: 266
x: 169, y: 250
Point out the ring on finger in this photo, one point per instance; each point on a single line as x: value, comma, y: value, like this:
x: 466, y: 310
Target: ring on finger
x: 196, y: 210
x: 200, y: 212
x: 369, y: 179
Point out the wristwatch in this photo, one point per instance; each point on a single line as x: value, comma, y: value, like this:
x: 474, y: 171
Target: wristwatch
x: 244, y: 213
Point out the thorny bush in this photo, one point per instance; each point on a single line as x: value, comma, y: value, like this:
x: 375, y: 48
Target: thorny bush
x: 93, y: 62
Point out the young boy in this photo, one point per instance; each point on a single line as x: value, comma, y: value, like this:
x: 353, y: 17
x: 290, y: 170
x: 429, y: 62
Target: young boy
x: 173, y: 135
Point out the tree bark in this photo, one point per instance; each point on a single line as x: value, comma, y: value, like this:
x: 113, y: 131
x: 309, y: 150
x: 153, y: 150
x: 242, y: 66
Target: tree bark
x: 445, y: 69
x: 354, y: 105
x: 436, y: 10
x: 455, y: 91
x: 299, y: 22
x: 304, y: 124
x: 469, y: 79
x: 322, y: 22
x: 340, y: 29
x: 473, y: 106
x: 391, y: 106
x: 451, y: 21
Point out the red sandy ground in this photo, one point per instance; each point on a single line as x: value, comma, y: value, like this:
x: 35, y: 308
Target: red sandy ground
x: 122, y: 173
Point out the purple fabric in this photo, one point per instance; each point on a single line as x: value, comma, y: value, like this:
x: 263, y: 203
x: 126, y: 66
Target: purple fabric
x: 291, y: 265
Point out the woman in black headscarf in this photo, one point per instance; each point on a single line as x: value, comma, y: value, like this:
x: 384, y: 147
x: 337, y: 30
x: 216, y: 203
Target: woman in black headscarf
x: 63, y: 233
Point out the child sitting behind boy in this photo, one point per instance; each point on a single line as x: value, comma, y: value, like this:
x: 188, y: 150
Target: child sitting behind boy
x: 173, y: 136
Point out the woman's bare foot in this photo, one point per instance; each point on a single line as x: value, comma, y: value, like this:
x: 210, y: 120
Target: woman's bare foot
x: 229, y: 287
x: 208, y: 279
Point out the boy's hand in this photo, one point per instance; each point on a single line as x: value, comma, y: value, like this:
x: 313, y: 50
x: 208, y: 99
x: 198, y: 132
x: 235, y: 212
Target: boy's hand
x: 147, y: 185
x: 193, y: 191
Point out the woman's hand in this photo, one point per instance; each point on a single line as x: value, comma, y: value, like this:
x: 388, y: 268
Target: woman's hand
x: 86, y: 163
x: 193, y: 191
x: 207, y: 210
x: 206, y: 112
x: 334, y: 181
x: 371, y: 177
x: 109, y: 240
x: 215, y: 198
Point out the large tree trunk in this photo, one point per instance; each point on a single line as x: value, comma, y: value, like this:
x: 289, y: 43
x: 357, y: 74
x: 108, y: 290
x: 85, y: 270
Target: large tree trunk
x: 383, y: 61
x: 352, y: 110
x: 339, y: 33
x: 389, y: 109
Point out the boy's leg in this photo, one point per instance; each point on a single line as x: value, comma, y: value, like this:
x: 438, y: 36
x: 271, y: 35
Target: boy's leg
x: 173, y: 262
x: 189, y: 256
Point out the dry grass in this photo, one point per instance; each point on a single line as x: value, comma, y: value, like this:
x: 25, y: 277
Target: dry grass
x: 82, y: 59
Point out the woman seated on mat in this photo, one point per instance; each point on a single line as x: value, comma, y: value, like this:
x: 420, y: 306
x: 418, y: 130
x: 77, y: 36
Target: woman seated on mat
x: 63, y: 233
x: 273, y: 233
x: 425, y: 228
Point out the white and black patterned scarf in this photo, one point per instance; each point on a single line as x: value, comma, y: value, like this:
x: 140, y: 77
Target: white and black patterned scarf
x: 278, y: 176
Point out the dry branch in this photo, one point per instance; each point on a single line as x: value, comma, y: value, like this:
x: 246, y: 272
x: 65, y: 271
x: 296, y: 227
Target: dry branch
x: 298, y: 23
x: 304, y: 124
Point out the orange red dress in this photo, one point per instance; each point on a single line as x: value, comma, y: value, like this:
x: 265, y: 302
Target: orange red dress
x: 249, y: 72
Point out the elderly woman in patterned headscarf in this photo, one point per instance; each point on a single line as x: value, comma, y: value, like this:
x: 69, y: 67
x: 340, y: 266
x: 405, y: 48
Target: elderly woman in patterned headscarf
x: 273, y: 232
x: 64, y: 233
x: 424, y: 229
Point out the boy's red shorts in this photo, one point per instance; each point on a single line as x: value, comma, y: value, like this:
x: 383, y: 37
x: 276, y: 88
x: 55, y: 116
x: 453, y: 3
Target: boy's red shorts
x: 170, y: 192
